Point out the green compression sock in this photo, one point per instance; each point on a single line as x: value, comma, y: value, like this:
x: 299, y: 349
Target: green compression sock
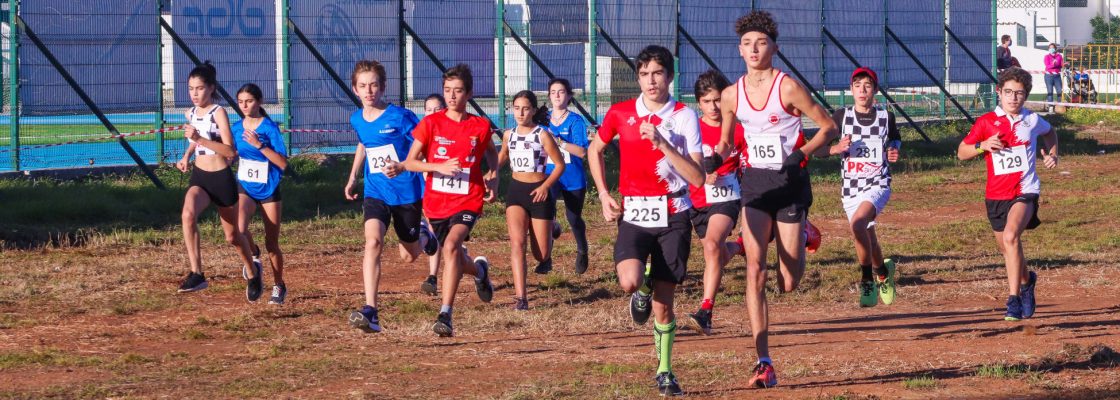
x: 663, y: 337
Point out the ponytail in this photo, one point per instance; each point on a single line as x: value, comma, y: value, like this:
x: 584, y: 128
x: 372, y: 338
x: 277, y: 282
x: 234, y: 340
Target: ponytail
x: 541, y: 117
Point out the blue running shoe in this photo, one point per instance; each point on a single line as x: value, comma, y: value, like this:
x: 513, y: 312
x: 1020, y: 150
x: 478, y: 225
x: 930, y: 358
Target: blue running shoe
x: 366, y: 320
x: 1014, y: 309
x: 1026, y: 293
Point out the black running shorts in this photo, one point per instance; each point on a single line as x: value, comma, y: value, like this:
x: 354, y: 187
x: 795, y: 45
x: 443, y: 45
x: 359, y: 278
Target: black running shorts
x: 666, y: 249
x: 784, y: 196
x: 405, y: 217
x: 443, y: 226
x: 998, y: 210
x: 270, y: 199
x: 221, y: 186
x: 699, y: 216
x: 518, y: 195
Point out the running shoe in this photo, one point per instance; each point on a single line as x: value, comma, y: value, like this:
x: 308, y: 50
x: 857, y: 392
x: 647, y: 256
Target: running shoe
x: 256, y: 261
x: 254, y: 288
x: 432, y: 244
x: 867, y: 294
x: 555, y: 230
x: 482, y: 284
x: 886, y: 285
x: 429, y: 286
x: 544, y: 267
x: 193, y: 283
x: 1026, y: 294
x: 581, y: 263
x: 667, y: 384
x: 640, y: 307
x: 279, y: 293
x: 742, y: 247
x: 520, y: 304
x: 812, y: 237
x: 366, y: 320
x: 442, y: 327
x: 1014, y: 309
x: 702, y: 320
x: 763, y: 376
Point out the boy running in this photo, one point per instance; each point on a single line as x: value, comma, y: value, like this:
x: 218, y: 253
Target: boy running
x: 450, y: 147
x: 1008, y: 138
x: 659, y: 156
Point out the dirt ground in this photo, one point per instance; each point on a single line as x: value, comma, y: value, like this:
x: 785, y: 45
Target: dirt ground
x: 103, y: 320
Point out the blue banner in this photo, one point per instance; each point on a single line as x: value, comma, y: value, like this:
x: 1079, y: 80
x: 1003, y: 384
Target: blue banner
x: 972, y: 22
x: 921, y: 26
x: 712, y: 26
x: 237, y: 36
x: 459, y: 31
x: 111, y: 48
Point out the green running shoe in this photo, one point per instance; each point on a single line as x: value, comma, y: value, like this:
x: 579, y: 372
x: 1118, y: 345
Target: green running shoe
x: 886, y: 286
x: 867, y: 295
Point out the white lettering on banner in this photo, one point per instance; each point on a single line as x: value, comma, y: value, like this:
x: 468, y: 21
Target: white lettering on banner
x: 646, y: 211
x: 1009, y: 160
x: 252, y: 171
x: 726, y: 188
x: 379, y: 157
x: 458, y: 183
x: 868, y: 150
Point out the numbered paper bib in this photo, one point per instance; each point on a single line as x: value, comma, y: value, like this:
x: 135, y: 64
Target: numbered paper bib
x: 203, y: 127
x: 765, y: 149
x: 1009, y: 160
x: 252, y: 171
x: 522, y: 160
x: 455, y: 184
x: 726, y: 188
x: 564, y: 153
x: 379, y: 157
x: 646, y: 211
x: 868, y: 150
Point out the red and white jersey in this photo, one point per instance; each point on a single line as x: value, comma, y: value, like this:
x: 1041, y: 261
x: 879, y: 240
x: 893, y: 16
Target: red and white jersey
x: 771, y: 132
x: 645, y: 170
x: 1011, y: 171
x: 445, y: 139
x: 709, y: 138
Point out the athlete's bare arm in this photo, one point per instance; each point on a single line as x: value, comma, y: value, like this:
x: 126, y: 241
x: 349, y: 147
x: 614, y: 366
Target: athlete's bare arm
x: 798, y: 99
x: 1050, y: 150
x: 727, y: 100
x: 416, y: 163
x: 611, y: 209
x: 688, y: 167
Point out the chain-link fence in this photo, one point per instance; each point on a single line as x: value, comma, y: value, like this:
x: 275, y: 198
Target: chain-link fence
x: 130, y: 58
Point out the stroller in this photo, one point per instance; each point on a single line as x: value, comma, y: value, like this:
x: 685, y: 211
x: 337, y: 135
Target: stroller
x: 1082, y: 89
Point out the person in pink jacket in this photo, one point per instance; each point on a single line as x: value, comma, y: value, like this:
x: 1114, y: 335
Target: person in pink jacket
x: 1053, y: 63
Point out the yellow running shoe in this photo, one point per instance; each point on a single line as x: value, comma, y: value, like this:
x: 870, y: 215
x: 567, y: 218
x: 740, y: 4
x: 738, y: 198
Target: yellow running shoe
x: 886, y: 286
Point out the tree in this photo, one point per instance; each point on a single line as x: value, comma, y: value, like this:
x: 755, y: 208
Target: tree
x: 1105, y: 31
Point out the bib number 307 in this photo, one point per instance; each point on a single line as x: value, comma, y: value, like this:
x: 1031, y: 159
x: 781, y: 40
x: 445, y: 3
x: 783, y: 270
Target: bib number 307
x: 646, y: 211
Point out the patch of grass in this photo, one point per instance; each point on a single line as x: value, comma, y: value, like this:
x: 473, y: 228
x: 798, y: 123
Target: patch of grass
x: 45, y: 358
x: 141, y: 302
x: 924, y: 382
x: 609, y: 370
x: 195, y: 334
x: 1002, y: 371
x: 403, y: 311
x: 555, y: 281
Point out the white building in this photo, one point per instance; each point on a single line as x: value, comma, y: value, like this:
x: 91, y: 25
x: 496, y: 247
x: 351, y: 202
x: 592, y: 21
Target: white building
x: 1065, y: 22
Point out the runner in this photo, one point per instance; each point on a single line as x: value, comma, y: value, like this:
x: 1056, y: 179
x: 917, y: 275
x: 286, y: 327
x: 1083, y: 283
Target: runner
x: 1008, y: 139
x: 869, y: 141
x: 432, y: 104
x: 262, y: 161
x: 659, y: 156
x: 775, y: 183
x: 715, y: 204
x: 392, y: 195
x: 450, y: 147
x: 212, y: 181
x: 571, y: 134
x: 530, y: 205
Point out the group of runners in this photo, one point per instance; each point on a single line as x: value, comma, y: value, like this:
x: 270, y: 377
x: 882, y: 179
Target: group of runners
x: 740, y: 162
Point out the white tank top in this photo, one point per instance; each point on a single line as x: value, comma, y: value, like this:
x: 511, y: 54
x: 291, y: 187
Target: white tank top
x: 771, y: 132
x: 207, y: 128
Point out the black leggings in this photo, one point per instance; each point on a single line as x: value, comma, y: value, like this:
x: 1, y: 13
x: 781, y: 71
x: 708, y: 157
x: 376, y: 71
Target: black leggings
x: 573, y: 204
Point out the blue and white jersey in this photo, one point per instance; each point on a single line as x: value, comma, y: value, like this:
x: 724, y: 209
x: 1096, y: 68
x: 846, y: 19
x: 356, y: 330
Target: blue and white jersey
x: 573, y: 130
x: 257, y: 175
x: 388, y: 137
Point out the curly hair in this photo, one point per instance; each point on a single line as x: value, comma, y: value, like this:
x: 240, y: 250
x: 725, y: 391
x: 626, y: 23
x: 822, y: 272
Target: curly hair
x: 708, y: 81
x: 757, y: 21
x: 1015, y: 74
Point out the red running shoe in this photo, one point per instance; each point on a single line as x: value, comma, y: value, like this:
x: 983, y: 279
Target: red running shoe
x: 812, y: 237
x: 763, y: 376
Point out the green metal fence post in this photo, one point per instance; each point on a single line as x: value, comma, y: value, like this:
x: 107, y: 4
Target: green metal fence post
x: 13, y: 82
x: 286, y: 66
x: 592, y: 84
x: 500, y: 36
x: 944, y: 76
x: 158, y: 123
x: 677, y: 53
x: 402, y: 56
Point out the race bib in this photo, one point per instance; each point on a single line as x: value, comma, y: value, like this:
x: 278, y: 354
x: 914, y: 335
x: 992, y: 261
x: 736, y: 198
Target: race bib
x: 522, y: 160
x: 563, y: 153
x: 646, y: 211
x: 1009, y: 160
x: 455, y: 184
x: 868, y: 150
x: 765, y: 149
x: 252, y: 171
x: 379, y: 157
x: 726, y: 188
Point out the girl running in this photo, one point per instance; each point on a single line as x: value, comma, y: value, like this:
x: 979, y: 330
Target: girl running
x: 392, y: 194
x: 715, y: 204
x: 262, y: 160
x: 869, y: 141
x: 530, y: 205
x: 212, y: 181
x: 775, y: 183
x: 571, y: 136
x: 1008, y: 139
x: 450, y: 147
x: 432, y: 104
